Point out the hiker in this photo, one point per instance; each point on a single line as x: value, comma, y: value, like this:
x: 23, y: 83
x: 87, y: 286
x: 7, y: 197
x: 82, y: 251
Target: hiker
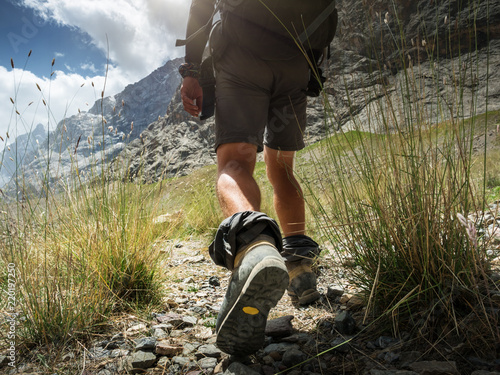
x: 261, y: 79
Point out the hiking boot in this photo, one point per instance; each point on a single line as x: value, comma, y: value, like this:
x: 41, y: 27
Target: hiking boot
x: 302, y: 288
x: 258, y: 282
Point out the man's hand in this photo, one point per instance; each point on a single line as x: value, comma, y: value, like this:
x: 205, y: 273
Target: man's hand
x: 192, y: 96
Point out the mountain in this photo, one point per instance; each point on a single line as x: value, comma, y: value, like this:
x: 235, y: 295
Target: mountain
x: 434, y: 40
x: 377, y: 50
x: 15, y: 153
x: 84, y: 140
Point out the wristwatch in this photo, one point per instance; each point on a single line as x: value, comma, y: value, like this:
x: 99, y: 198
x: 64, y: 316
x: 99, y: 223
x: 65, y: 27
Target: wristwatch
x: 190, y: 70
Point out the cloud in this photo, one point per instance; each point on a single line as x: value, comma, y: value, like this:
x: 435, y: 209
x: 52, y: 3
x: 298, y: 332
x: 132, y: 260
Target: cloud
x: 138, y: 34
x: 64, y: 94
x: 90, y: 67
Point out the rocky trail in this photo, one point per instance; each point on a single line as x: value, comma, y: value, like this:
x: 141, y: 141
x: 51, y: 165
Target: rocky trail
x: 332, y: 336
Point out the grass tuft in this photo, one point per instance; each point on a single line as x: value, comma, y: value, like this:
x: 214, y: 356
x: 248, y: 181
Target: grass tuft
x: 394, y: 192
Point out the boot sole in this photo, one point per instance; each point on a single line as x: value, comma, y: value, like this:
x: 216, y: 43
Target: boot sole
x: 243, y: 330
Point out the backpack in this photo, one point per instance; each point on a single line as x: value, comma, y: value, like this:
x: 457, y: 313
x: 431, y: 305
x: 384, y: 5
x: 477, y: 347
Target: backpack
x: 279, y: 29
x: 275, y: 29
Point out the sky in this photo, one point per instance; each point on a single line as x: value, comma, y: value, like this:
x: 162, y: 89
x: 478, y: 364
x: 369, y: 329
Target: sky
x: 73, y: 43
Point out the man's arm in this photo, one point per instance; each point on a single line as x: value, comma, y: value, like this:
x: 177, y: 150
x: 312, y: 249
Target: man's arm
x: 200, y: 14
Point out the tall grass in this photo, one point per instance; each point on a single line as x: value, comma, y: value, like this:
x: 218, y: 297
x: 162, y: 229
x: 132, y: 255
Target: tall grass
x: 83, y: 249
x: 391, y: 194
x: 80, y: 258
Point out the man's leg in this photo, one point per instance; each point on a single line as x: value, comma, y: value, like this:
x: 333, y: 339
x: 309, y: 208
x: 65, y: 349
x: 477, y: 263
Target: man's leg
x: 236, y: 188
x: 259, y: 275
x: 298, y: 249
x: 288, y: 199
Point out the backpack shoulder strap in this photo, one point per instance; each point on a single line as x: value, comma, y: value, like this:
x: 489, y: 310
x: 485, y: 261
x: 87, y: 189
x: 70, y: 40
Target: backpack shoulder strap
x: 317, y: 22
x: 203, y: 29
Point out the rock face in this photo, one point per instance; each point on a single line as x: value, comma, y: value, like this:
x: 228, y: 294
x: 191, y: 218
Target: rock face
x: 434, y: 41
x: 374, y: 42
x: 172, y: 145
x: 86, y: 139
x: 379, y: 30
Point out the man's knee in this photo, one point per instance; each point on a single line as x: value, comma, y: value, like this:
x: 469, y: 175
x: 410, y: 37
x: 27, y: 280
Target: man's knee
x: 279, y: 166
x: 236, y: 157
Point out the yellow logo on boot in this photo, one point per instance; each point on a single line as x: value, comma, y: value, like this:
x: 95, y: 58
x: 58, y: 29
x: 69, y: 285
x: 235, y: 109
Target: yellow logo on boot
x: 250, y: 310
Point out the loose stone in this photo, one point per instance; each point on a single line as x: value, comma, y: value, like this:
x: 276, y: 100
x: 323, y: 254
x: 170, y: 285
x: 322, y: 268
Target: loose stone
x: 145, y: 343
x: 189, y: 321
x: 214, y: 281
x: 207, y: 363
x: 355, y: 303
x: 119, y: 353
x: 334, y: 291
x: 163, y: 362
x: 280, y: 327
x: 386, y: 341
x: 170, y: 350
x: 175, y: 320
x: 190, y: 348
x: 137, y: 328
x: 181, y: 361
x: 159, y: 333
x: 142, y: 360
x: 208, y: 350
x: 293, y: 357
x: 345, y: 323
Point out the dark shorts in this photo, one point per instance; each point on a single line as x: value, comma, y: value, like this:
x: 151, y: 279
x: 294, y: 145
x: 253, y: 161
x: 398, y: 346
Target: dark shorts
x: 260, y: 102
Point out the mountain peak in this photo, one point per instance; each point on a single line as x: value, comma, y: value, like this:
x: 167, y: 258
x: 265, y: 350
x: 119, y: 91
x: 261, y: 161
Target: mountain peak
x: 106, y: 127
